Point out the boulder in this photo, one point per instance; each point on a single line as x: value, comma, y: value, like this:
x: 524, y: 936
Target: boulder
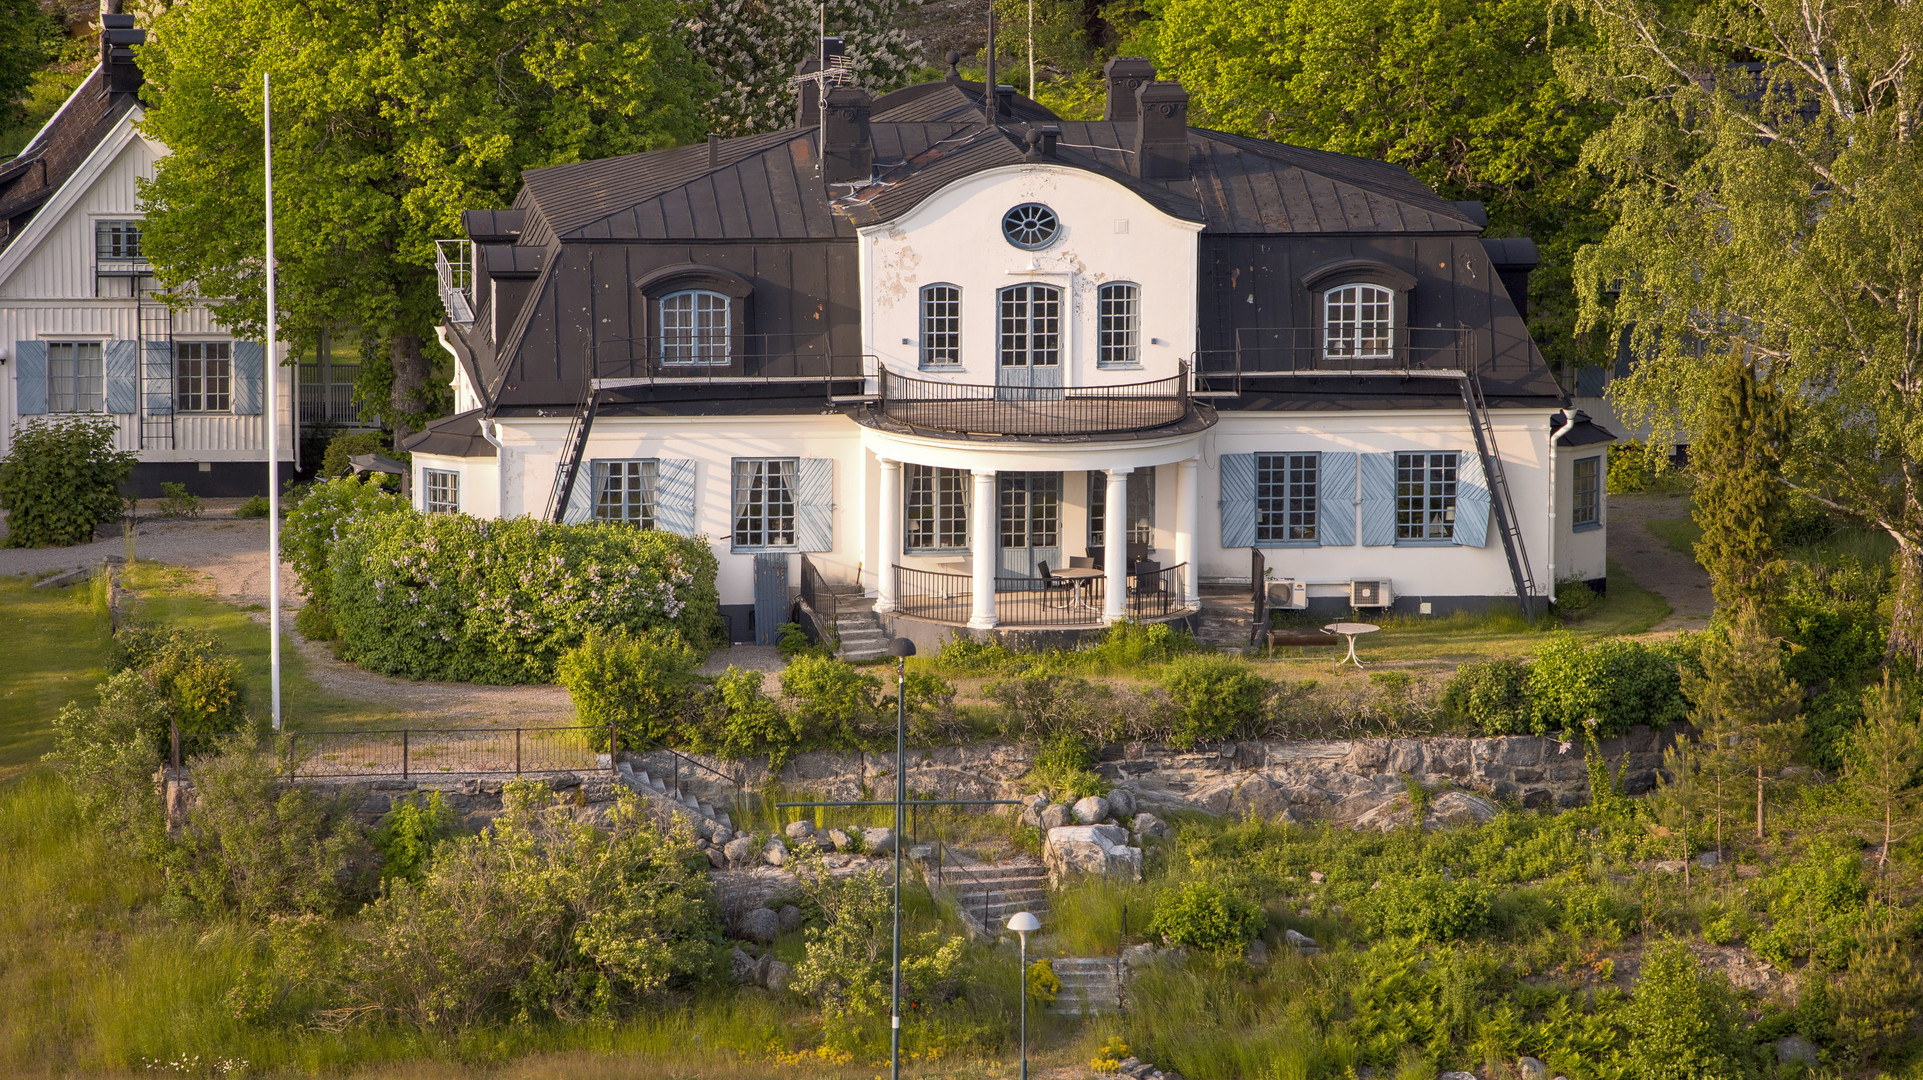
x: 742, y: 966
x: 775, y: 853
x: 799, y: 830
x: 1091, y: 851
x: 761, y: 924
x: 1299, y: 941
x: 1089, y: 809
x: 774, y: 974
x: 717, y: 859
x: 1148, y: 825
x: 1054, y: 816
x: 878, y: 841
x: 1257, y: 955
x: 1121, y: 803
x: 839, y: 840
x: 740, y: 851
x: 1528, y: 1068
x: 1138, y: 956
x: 1457, y: 1076
x: 1032, y: 808
x: 1708, y: 860
x: 1794, y: 1049
x: 788, y: 918
x: 1456, y: 808
x: 1318, y: 876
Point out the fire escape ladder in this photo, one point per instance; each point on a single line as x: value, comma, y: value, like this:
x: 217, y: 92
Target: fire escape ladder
x: 1499, y: 500
x: 569, y: 468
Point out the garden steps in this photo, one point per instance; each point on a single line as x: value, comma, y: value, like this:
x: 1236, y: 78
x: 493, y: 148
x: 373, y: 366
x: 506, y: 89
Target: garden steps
x: 858, y: 631
x: 986, y: 894
x: 1090, y: 985
x: 660, y: 797
x: 1226, y: 620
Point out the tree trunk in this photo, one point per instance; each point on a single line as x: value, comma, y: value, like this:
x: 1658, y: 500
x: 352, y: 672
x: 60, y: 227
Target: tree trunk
x: 1719, y: 815
x: 1759, y: 803
x: 1906, y: 602
x: 411, y: 371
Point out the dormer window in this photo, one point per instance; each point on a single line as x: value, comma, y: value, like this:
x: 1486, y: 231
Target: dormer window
x: 694, y: 327
x: 1357, y: 322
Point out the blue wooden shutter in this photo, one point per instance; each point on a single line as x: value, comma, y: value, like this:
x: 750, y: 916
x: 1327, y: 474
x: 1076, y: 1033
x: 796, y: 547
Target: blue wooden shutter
x: 250, y: 372
x: 1472, y: 500
x: 30, y: 376
x: 1335, y: 499
x: 121, y: 366
x: 674, y: 496
x: 160, y: 378
x: 1378, y: 500
x: 587, y: 479
x: 1238, y: 500
x: 815, y: 504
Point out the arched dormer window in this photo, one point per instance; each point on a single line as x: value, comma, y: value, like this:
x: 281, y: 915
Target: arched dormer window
x: 696, y: 315
x: 1358, y: 322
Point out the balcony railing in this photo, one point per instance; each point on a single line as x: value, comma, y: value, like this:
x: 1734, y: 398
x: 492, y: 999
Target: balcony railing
x: 454, y: 265
x: 975, y: 409
x: 1407, y: 350
x: 1030, y: 601
x: 329, y: 403
x: 730, y: 358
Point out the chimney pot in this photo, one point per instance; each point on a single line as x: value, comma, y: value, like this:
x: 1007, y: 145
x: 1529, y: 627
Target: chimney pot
x: 1050, y: 136
x: 714, y: 149
x: 1162, y: 132
x: 1125, y: 75
x: 847, y: 142
x: 1004, y: 100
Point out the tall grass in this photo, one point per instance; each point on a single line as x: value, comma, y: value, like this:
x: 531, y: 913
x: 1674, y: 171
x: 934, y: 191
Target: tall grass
x: 1088, y: 918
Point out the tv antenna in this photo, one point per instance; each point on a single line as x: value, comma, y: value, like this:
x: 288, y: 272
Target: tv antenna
x: 831, y: 69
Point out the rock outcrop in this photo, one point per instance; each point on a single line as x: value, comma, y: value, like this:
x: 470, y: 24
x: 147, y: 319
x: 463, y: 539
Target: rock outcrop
x: 1075, y: 851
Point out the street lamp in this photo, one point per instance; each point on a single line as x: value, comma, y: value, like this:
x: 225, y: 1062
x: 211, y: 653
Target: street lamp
x: 901, y: 649
x: 1024, y: 923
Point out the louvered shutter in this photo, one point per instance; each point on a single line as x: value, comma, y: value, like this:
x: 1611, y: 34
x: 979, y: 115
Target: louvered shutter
x: 1238, y: 500
x: 30, y: 376
x: 580, y: 509
x: 1472, y: 501
x: 674, y: 496
x: 1378, y: 499
x: 250, y: 374
x: 1335, y: 499
x: 160, y: 378
x: 121, y: 366
x: 815, y: 504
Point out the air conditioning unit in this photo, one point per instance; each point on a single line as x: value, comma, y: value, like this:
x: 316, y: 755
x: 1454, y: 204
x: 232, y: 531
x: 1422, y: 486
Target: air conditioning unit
x: 1371, y: 594
x: 1288, y: 595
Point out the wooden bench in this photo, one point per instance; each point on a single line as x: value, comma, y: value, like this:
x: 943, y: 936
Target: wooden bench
x: 1303, y: 638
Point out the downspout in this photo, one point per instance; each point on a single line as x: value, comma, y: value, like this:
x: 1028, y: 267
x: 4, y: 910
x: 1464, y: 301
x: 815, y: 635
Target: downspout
x: 491, y: 431
x: 1569, y: 423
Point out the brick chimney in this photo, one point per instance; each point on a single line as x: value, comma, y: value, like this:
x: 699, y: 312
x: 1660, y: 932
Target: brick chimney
x: 118, y: 72
x: 1125, y: 75
x: 847, y: 143
x: 808, y: 107
x: 1162, y: 133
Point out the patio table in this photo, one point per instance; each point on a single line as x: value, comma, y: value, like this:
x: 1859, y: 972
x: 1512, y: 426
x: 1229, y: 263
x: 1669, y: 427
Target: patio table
x: 1351, y: 630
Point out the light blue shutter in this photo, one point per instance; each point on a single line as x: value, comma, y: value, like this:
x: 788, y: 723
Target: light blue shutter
x: 30, y: 376
x: 587, y: 478
x: 121, y: 366
x: 815, y: 504
x: 1238, y: 500
x: 160, y: 378
x: 1472, y: 501
x: 1378, y: 500
x: 674, y: 496
x: 250, y: 372
x: 1335, y: 499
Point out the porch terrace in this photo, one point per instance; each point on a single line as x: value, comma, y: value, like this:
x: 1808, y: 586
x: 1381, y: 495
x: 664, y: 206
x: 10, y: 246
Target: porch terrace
x: 1152, y: 593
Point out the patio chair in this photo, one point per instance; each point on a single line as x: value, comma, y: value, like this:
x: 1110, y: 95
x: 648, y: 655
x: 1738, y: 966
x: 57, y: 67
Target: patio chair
x: 1149, y: 583
x: 1051, y: 582
x: 1083, y: 562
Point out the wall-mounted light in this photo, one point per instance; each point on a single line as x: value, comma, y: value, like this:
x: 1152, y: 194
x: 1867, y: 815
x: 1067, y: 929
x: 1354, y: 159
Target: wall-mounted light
x: 906, y: 341
x: 1156, y: 341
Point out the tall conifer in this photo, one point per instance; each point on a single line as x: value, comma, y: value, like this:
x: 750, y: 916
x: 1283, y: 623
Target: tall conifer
x: 1738, y: 462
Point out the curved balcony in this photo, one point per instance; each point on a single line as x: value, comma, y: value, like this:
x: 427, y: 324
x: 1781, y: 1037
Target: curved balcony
x: 973, y: 410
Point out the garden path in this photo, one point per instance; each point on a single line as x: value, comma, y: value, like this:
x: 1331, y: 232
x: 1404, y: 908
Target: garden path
x: 1655, y: 565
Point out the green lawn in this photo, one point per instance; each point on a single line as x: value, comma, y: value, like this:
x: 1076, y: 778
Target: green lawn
x: 1680, y: 534
x: 55, y: 653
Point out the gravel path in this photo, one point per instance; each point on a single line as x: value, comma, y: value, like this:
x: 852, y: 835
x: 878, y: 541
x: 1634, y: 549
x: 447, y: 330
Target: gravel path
x: 1655, y: 565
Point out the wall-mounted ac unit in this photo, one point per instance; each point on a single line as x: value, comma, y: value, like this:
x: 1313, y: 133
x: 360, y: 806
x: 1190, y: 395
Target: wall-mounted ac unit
x: 1288, y: 595
x: 1371, y: 594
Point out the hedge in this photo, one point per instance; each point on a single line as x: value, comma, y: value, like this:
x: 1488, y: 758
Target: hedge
x: 1616, y: 682
x: 447, y: 596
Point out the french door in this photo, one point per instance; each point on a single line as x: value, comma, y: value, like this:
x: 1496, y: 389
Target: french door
x: 1029, y: 346
x: 1030, y: 522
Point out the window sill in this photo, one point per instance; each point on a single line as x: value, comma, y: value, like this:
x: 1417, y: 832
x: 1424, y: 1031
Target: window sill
x: 1587, y: 526
x: 935, y: 553
x: 1281, y: 544
x: 1442, y: 543
x: 940, y: 367
x: 742, y: 549
x: 1135, y: 366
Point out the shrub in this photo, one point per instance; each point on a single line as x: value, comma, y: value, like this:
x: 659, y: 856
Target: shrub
x: 845, y: 965
x: 741, y: 721
x: 253, y: 506
x: 60, y: 479
x: 1617, y: 682
x: 1430, y: 907
x: 190, y: 672
x: 1065, y: 768
x: 931, y: 707
x: 963, y: 654
x: 1877, y: 1001
x: 1043, y: 985
x: 177, y: 502
x: 1131, y: 645
x: 1816, y: 906
x: 642, y: 683
x: 1574, y: 599
x: 254, y: 849
x: 1681, y: 1021
x: 792, y: 641
x: 1202, y: 915
x: 1213, y: 694
x: 448, y: 596
x: 1633, y: 468
x: 334, y: 461
x: 315, y: 526
x: 835, y: 703
x: 538, y: 917
x: 108, y: 753
x: 1039, y: 705
x: 1491, y: 696
x: 410, y: 833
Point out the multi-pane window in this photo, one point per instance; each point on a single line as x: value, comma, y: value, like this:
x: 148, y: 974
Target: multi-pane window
x: 1285, y: 496
x: 443, y: 491
x: 1356, y: 322
x: 694, y: 327
x: 940, y: 325
x: 204, y: 376
x: 76, y: 379
x: 1588, y: 493
x: 1031, y: 510
x: 1425, y: 496
x: 1031, y: 326
x: 120, y: 266
x: 1119, y: 329
x: 1140, y: 511
x: 764, y: 502
x: 117, y: 240
x: 624, y: 491
x: 935, y: 517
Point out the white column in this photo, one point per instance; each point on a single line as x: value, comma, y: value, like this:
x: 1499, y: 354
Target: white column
x: 984, y: 534
x: 1115, y: 546
x: 1188, y: 495
x: 887, y: 587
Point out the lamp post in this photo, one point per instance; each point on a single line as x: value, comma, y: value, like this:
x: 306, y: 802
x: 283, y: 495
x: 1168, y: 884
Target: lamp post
x: 1024, y: 923
x: 901, y: 649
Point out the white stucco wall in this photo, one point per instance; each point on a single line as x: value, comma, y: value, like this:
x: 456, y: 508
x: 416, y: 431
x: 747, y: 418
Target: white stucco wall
x: 1580, y: 552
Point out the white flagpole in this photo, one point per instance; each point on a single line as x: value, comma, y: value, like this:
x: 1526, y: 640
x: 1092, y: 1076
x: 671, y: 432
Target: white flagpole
x: 272, y: 411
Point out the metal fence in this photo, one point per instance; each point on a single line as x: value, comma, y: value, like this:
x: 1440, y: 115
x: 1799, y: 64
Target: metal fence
x: 933, y: 595
x: 1026, y: 601
x: 411, y: 752
x: 1033, y: 410
x: 697, y: 359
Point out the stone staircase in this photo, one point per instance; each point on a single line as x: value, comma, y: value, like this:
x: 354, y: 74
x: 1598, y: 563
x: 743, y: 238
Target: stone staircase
x: 1227, y: 618
x: 660, y: 799
x: 1090, y: 985
x: 986, y: 894
x: 858, y: 631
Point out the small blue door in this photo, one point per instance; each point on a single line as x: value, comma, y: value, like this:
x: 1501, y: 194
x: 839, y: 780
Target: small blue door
x: 771, y: 596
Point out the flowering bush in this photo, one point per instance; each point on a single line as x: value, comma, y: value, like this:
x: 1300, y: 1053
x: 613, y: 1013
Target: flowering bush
x: 754, y: 45
x: 447, y: 596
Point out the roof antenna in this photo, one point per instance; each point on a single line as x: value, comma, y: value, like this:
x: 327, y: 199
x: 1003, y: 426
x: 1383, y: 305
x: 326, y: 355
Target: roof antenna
x: 990, y: 95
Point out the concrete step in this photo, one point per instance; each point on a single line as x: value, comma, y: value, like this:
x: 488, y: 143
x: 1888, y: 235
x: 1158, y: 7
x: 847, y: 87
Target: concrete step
x: 1017, y: 894
x: 965, y: 875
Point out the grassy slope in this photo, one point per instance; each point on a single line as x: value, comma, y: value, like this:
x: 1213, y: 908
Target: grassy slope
x: 54, y: 653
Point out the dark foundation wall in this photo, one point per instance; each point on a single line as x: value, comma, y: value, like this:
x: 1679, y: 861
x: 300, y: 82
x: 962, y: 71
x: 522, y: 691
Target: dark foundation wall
x: 207, y: 479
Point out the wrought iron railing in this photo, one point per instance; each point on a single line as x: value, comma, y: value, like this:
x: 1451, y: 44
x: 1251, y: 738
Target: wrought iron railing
x: 731, y: 358
x: 1157, y: 593
x: 821, y: 599
x: 1033, y: 601
x: 454, y: 267
x: 1310, y: 350
x: 329, y: 403
x: 973, y: 408
x: 932, y: 595
x: 410, y: 752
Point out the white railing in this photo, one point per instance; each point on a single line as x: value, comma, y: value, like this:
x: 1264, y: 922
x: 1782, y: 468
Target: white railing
x: 454, y: 263
x: 329, y: 403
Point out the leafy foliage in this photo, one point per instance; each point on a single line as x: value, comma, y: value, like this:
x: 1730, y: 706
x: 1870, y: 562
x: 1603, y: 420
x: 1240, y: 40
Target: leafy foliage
x: 1430, y: 907
x: 742, y: 720
x: 845, y: 967
x: 314, y: 528
x: 61, y: 478
x: 1491, y: 696
x: 177, y: 502
x: 1212, y: 694
x: 642, y: 683
x: 409, y: 835
x: 253, y: 506
x: 753, y: 47
x: 194, y: 678
x: 835, y: 703
x: 1681, y: 1021
x: 1065, y: 768
x: 1202, y: 915
x: 1616, y: 682
x: 109, y: 751
x: 334, y: 461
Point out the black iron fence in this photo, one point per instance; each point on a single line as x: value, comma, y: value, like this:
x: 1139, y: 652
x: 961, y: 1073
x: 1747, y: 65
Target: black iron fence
x: 723, y: 357
x: 1032, y: 601
x: 972, y: 408
x: 1300, y: 350
x: 411, y: 752
x: 933, y: 595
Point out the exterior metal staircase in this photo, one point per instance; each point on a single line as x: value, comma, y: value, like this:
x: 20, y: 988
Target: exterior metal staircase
x: 568, y: 470
x: 1499, y: 500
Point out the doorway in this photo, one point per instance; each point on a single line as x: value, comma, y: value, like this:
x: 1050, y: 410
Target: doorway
x: 1029, y: 345
x: 1030, y: 526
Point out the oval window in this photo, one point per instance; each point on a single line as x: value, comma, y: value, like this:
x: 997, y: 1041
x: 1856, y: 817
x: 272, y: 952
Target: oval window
x: 1030, y: 226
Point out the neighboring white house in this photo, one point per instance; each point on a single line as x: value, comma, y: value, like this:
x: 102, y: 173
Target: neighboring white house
x: 79, y: 330
x: 1009, y: 372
